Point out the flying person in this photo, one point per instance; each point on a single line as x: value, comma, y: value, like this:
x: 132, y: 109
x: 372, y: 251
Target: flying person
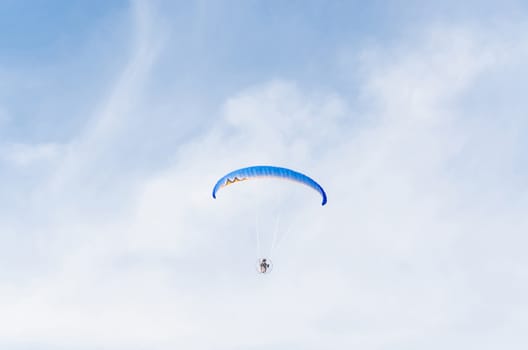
x: 264, y: 265
x: 267, y: 171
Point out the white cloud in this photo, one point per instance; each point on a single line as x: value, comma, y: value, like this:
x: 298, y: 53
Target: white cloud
x: 26, y: 154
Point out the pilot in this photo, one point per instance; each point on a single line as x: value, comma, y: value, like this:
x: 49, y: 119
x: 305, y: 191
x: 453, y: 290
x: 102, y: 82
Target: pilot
x: 264, y: 265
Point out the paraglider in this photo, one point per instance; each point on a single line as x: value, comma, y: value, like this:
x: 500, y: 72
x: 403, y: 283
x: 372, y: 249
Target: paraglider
x: 264, y: 265
x: 259, y: 171
x: 265, y: 171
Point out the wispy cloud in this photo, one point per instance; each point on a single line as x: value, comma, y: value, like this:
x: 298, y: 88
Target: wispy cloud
x: 23, y: 155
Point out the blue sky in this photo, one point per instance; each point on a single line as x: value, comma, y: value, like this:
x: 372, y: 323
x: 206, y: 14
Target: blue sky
x: 117, y: 118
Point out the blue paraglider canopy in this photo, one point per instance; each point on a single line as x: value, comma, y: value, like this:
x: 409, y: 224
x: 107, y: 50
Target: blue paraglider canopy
x: 259, y: 171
